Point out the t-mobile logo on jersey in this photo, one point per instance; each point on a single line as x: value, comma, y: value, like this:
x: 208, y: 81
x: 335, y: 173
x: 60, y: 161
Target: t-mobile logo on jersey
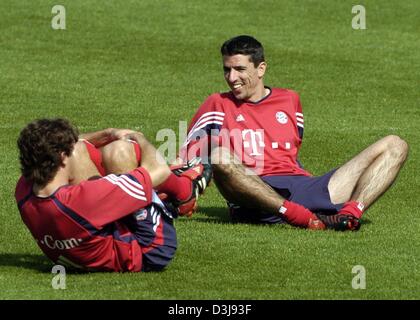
x: 254, y: 140
x: 63, y: 244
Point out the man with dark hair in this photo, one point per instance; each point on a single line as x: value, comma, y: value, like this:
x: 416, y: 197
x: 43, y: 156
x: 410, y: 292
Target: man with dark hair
x: 246, y: 46
x: 114, y: 222
x: 257, y: 129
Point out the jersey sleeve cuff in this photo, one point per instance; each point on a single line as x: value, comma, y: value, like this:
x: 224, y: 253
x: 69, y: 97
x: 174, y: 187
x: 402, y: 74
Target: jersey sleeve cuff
x: 144, y: 178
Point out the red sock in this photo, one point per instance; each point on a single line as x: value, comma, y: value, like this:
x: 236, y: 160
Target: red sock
x: 177, y: 187
x: 353, y: 208
x: 297, y: 215
x: 137, y: 151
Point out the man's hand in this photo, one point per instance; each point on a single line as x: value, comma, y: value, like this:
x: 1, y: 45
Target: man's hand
x: 103, y: 137
x: 132, y: 135
x: 117, y: 134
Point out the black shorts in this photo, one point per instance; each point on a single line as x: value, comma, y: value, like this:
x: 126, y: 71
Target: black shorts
x: 310, y: 192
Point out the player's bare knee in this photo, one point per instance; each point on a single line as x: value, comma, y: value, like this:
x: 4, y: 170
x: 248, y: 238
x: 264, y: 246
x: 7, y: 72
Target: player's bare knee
x: 80, y: 151
x: 221, y: 156
x: 403, y: 148
x: 397, y: 147
x: 80, y: 164
x: 118, y: 152
x: 396, y: 143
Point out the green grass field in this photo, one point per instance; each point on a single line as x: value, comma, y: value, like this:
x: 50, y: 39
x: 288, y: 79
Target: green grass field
x: 148, y: 64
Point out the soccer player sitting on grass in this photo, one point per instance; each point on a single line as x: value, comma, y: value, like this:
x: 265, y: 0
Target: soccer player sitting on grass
x: 263, y: 128
x: 92, y: 203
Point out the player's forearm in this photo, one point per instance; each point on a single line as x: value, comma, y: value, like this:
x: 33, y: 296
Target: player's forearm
x: 151, y: 159
x: 99, y: 138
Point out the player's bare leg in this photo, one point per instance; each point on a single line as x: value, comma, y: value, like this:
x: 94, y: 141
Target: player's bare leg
x: 81, y: 166
x: 119, y: 157
x: 238, y: 186
x: 369, y: 174
x: 241, y: 187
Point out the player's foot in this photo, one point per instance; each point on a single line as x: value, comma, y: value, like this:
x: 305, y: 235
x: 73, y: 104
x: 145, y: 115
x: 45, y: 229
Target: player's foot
x: 354, y: 208
x: 338, y: 222
x: 184, y: 167
x: 200, y: 176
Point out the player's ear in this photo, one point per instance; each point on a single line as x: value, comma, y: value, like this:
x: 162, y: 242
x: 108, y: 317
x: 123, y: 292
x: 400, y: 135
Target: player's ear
x: 64, y: 159
x: 261, y: 69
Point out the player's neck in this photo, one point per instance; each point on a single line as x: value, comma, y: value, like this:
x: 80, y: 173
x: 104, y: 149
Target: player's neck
x: 60, y: 179
x: 260, y: 93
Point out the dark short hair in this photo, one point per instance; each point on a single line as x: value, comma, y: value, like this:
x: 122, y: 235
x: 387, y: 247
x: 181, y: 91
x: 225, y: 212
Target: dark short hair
x: 40, y: 145
x: 245, y: 45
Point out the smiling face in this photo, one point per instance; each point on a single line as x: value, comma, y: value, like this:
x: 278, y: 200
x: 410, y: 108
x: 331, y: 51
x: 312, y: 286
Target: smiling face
x: 244, y: 79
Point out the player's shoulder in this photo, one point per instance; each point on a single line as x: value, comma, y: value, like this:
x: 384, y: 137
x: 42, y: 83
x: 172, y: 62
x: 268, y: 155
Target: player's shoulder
x: 220, y: 97
x: 23, y: 188
x: 93, y: 184
x: 216, y: 102
x: 285, y: 92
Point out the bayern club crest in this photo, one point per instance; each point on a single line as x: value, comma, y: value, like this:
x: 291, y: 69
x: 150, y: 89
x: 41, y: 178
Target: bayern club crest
x: 281, y: 117
x: 141, y: 215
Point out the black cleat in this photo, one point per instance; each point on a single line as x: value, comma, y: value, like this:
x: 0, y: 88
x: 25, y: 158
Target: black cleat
x: 340, y: 222
x: 200, y: 176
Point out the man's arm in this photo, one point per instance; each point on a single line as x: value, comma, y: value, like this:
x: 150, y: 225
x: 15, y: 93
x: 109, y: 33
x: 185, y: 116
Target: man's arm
x: 103, y: 137
x: 205, y: 125
x: 299, y: 116
x: 109, y: 198
x: 151, y: 159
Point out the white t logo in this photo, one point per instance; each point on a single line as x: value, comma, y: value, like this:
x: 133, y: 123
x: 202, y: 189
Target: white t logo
x: 256, y: 139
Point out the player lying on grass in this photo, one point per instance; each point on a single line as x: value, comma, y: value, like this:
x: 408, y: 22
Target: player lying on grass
x: 263, y: 128
x: 111, y: 223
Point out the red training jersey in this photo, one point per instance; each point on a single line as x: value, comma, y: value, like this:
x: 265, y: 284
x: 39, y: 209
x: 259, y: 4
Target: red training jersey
x: 78, y: 225
x: 265, y: 135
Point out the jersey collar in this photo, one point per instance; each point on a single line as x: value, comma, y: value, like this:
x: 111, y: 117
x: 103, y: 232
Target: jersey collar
x: 254, y: 102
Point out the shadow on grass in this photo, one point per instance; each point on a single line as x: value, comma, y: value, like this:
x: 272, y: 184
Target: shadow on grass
x: 365, y: 221
x: 28, y: 261
x: 221, y: 216
x: 214, y: 214
x: 36, y: 262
